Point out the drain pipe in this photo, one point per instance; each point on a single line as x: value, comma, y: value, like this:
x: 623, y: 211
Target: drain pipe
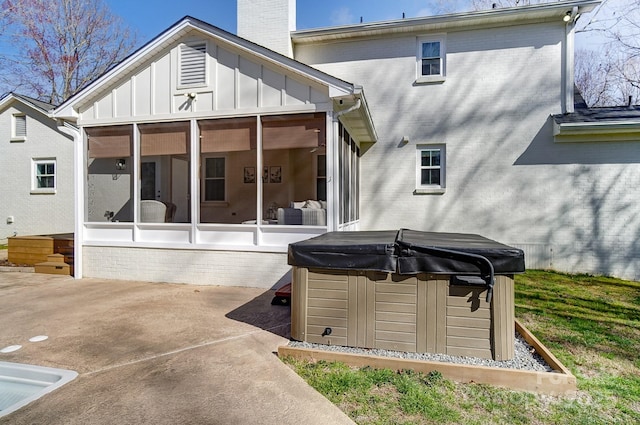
x: 569, y: 61
x: 350, y: 109
x: 71, y: 130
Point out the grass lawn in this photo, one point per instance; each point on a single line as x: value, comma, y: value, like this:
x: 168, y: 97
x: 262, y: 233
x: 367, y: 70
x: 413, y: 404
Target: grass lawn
x: 592, y: 324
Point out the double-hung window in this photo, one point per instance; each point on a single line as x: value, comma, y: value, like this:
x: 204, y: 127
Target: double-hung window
x: 214, y: 179
x: 431, y: 59
x: 44, y: 176
x: 430, y: 169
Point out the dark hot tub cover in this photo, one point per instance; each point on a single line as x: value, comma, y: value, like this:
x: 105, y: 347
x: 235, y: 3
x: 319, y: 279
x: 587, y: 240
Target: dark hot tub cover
x: 455, y: 253
x: 375, y: 251
x: 407, y: 252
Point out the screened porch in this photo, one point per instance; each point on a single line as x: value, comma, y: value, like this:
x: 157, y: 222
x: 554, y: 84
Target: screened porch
x: 243, y: 181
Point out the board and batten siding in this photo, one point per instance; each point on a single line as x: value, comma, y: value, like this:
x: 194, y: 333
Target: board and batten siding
x: 235, y: 83
x: 423, y: 313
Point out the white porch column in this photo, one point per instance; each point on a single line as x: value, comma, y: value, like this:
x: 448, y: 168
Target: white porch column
x: 333, y: 192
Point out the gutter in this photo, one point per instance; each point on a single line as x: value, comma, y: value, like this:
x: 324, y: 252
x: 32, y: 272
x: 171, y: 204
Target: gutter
x: 491, y: 17
x: 361, y: 103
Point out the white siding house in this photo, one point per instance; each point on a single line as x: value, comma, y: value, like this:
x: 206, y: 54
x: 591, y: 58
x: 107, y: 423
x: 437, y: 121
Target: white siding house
x: 36, y: 159
x: 252, y: 142
x: 569, y: 203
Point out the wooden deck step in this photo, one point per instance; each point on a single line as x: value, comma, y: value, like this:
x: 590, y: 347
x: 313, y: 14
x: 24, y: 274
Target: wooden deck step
x: 54, y: 265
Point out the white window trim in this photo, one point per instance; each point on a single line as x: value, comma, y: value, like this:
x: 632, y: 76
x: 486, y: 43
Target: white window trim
x: 14, y: 136
x: 35, y: 190
x: 428, y: 79
x: 203, y: 179
x: 179, y: 84
x: 431, y: 189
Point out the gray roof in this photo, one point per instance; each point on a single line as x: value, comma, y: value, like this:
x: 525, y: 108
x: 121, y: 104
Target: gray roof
x: 608, y: 114
x: 38, y: 104
x: 583, y: 114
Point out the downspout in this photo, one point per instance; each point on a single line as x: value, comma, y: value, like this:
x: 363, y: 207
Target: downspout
x: 569, y: 62
x: 350, y: 109
x: 68, y: 129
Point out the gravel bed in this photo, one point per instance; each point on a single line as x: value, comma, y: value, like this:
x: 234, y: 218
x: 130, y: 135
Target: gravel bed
x: 526, y: 358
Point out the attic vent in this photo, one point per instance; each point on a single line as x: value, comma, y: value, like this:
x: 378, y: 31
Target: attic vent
x: 20, y: 129
x: 193, y: 64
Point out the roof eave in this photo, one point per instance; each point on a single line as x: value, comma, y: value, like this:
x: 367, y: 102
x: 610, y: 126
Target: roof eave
x: 11, y: 97
x: 69, y: 109
x: 358, y: 121
x: 597, y: 131
x: 464, y: 20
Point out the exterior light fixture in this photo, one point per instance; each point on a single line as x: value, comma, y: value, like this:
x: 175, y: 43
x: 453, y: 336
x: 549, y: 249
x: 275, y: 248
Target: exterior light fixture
x: 121, y: 164
x: 567, y: 16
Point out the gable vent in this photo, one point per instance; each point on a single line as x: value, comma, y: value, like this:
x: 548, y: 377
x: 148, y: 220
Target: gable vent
x: 20, y: 125
x: 193, y: 64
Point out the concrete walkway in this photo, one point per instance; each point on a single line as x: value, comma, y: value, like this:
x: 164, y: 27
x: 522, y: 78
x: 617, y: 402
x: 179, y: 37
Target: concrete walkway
x: 150, y: 353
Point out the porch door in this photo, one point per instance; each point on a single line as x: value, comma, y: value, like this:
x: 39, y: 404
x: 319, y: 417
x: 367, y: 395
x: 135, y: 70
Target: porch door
x: 150, y: 180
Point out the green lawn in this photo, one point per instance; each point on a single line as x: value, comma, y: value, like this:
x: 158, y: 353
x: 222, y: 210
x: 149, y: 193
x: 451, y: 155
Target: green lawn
x: 592, y: 324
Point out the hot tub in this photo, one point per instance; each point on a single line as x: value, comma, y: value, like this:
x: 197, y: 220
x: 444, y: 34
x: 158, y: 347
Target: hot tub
x: 406, y: 290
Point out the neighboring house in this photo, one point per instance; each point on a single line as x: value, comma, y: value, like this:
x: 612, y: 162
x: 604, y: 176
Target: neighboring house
x: 455, y: 134
x: 37, y: 166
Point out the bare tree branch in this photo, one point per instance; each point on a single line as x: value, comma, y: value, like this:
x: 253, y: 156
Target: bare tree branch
x: 60, y: 46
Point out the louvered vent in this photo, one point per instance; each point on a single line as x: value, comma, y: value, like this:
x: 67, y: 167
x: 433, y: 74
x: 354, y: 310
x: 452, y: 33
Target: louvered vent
x: 21, y: 125
x: 193, y: 64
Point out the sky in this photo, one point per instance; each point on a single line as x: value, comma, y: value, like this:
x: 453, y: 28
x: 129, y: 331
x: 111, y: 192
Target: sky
x: 150, y: 18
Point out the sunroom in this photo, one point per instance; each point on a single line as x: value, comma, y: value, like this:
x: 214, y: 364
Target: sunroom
x: 205, y: 149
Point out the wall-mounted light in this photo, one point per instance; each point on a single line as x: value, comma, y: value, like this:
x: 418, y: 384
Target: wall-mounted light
x: 191, y: 95
x: 567, y: 16
x: 121, y: 164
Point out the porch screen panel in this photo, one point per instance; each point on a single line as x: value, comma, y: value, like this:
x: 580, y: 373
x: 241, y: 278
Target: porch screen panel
x: 293, y: 131
x: 228, y: 170
x: 109, y: 174
x: 228, y: 135
x: 164, y: 139
x: 164, y: 172
x: 109, y: 142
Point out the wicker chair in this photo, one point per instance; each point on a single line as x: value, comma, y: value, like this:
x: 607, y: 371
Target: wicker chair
x: 152, y: 211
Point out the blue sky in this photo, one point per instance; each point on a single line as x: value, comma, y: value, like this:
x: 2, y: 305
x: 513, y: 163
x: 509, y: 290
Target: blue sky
x: 150, y: 18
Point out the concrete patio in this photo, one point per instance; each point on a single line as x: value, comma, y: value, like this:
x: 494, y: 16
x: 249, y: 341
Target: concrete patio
x: 155, y: 353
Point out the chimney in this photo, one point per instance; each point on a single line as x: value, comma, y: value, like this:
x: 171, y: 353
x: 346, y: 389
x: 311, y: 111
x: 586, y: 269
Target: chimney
x: 268, y: 23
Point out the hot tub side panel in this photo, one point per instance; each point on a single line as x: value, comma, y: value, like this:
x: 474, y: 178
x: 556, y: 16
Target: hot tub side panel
x: 422, y: 313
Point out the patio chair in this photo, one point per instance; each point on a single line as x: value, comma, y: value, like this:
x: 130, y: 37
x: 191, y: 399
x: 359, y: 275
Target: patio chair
x: 152, y: 211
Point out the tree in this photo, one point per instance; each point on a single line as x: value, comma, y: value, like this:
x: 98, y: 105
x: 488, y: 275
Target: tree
x: 489, y: 4
x: 609, y: 75
x: 59, y: 46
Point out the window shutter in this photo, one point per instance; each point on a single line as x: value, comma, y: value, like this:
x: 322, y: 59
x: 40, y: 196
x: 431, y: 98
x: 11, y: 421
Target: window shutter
x: 21, y: 125
x: 193, y: 61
